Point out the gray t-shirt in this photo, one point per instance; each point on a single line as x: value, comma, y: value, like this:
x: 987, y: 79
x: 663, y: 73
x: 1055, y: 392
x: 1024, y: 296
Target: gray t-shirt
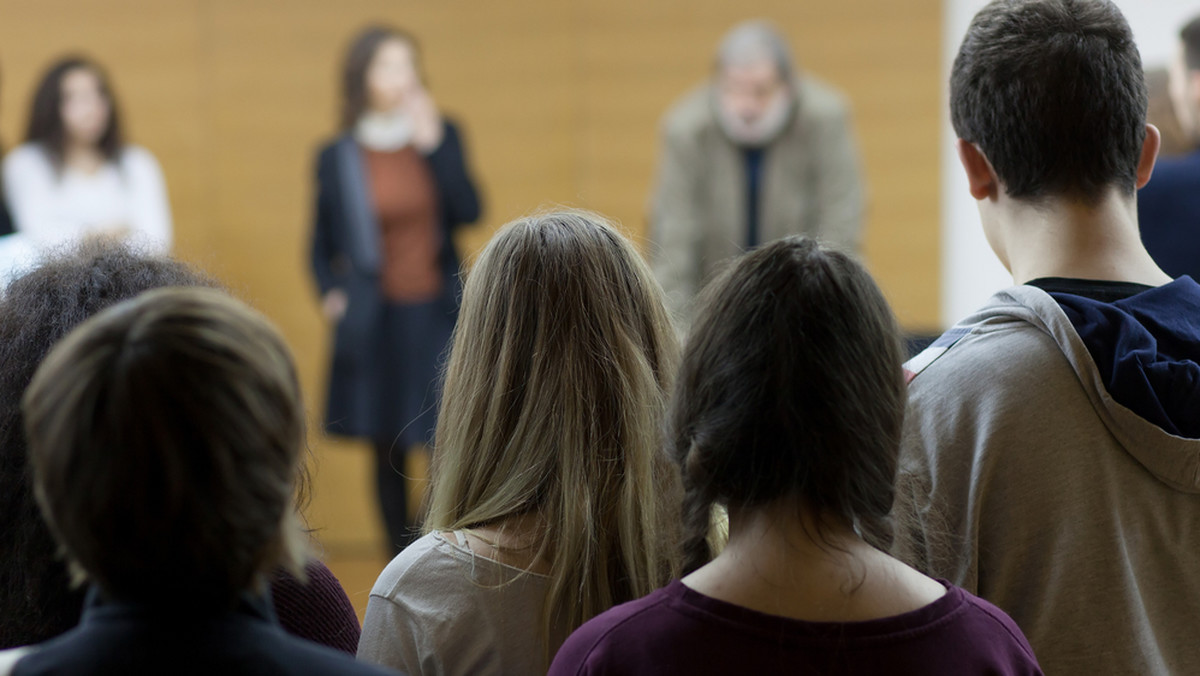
x: 439, y: 609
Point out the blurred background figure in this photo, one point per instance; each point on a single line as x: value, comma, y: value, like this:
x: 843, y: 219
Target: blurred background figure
x: 390, y: 190
x: 759, y: 152
x: 75, y: 177
x: 6, y: 226
x: 1169, y: 205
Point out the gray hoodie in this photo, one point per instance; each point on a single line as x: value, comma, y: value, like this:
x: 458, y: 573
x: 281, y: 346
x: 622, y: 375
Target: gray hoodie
x: 1048, y: 485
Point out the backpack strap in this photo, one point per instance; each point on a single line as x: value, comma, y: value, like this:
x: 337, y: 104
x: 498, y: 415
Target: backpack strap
x: 947, y: 340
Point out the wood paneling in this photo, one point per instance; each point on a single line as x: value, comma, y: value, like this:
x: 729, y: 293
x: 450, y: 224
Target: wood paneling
x: 560, y: 102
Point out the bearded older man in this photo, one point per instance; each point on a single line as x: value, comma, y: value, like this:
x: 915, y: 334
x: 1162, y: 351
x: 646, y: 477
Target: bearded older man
x: 758, y: 152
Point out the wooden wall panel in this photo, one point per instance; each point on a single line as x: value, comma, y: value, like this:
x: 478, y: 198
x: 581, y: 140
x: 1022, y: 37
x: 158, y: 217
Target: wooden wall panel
x: 560, y: 103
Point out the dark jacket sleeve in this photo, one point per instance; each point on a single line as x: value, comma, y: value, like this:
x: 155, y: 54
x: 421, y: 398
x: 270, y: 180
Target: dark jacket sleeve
x: 324, y: 246
x: 460, y: 200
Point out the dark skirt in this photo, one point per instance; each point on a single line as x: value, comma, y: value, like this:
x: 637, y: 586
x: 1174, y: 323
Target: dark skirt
x: 385, y: 380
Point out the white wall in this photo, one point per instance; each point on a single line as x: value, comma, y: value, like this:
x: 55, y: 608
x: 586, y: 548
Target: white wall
x: 970, y: 271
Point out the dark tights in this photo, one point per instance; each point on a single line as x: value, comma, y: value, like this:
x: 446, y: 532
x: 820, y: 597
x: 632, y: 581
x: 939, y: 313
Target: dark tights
x: 392, y: 488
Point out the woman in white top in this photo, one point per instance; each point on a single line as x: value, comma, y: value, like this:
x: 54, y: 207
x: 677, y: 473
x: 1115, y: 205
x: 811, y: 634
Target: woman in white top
x: 74, y: 177
x: 552, y: 497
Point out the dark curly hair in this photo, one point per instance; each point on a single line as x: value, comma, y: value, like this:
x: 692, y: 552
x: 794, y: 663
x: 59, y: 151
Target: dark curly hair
x: 36, y: 311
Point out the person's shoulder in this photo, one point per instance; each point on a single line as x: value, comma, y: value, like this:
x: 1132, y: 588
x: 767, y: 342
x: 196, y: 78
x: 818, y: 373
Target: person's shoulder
x: 982, y: 617
x: 617, y: 631
x: 452, y: 125
x: 138, y: 159
x: 998, y: 343
x: 819, y: 99
x: 27, y: 156
x: 136, y: 153
x: 317, y: 608
x: 428, y: 565
x: 690, y: 115
x: 328, y: 148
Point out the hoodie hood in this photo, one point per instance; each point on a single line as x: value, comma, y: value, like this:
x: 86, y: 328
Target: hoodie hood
x: 1137, y: 359
x: 1146, y: 348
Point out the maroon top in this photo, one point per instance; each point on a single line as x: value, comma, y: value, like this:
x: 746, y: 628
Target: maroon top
x: 677, y: 630
x: 318, y: 611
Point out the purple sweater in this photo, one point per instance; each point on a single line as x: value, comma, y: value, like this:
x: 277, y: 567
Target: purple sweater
x: 318, y: 611
x: 677, y: 630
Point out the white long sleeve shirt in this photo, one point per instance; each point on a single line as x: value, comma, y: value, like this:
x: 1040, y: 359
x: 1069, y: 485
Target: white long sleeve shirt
x: 52, y: 208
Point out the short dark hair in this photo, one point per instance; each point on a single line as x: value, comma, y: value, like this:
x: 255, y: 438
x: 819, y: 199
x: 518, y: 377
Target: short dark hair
x: 165, y: 435
x: 790, y: 387
x: 46, y: 126
x: 1053, y: 93
x: 358, y: 59
x: 36, y: 311
x: 1190, y: 36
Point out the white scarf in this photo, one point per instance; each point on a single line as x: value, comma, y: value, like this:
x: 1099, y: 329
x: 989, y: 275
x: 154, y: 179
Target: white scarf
x: 384, y: 132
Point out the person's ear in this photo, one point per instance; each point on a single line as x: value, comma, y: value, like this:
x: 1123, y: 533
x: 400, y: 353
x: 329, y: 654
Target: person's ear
x: 1149, y: 155
x: 981, y: 177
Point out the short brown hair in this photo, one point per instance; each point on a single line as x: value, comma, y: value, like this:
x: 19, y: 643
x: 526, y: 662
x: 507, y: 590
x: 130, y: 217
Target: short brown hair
x: 164, y: 437
x: 1053, y: 93
x: 790, y: 387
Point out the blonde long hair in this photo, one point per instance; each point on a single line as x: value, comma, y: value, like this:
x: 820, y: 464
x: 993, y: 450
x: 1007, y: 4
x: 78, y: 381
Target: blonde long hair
x: 553, y: 405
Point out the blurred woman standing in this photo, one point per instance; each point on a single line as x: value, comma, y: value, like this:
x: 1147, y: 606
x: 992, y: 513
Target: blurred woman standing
x: 390, y: 190
x: 75, y: 177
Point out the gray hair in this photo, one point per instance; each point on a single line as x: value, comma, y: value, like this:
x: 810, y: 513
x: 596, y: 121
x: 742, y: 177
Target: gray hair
x: 753, y: 41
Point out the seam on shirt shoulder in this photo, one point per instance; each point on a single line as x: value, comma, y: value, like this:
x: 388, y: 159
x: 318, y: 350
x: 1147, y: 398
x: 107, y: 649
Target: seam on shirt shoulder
x: 596, y: 642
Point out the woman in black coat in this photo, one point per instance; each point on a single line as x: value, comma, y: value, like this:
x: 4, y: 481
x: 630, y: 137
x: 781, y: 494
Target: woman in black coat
x: 390, y: 192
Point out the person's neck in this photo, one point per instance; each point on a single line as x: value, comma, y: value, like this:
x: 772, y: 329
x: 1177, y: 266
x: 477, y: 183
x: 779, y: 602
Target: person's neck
x: 783, y: 561
x: 1061, y: 237
x: 84, y: 158
x: 513, y: 540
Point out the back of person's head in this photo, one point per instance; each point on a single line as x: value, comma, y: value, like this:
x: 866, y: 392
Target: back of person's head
x: 165, y: 434
x: 790, y: 388
x: 36, y: 311
x: 1053, y: 93
x: 553, y: 402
